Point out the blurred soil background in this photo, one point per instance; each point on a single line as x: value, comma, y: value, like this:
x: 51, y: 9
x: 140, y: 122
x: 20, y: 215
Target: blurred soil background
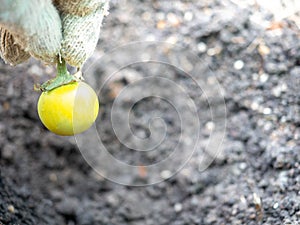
x: 253, y: 49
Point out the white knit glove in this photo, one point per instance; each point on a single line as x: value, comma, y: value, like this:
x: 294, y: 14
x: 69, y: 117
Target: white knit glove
x: 44, y: 29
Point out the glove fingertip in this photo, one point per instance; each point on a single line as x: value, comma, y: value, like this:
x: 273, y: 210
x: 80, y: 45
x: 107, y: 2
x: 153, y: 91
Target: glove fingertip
x: 81, y: 28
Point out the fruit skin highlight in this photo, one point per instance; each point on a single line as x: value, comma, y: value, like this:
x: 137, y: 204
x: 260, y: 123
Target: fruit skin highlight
x: 68, y: 109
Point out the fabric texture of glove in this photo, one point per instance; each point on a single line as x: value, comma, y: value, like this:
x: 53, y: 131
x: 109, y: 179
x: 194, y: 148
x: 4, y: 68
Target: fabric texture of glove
x: 45, y: 29
x: 10, y: 50
x: 81, y: 22
x: 35, y: 27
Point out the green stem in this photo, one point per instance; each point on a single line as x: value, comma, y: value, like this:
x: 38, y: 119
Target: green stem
x: 63, y: 77
x: 62, y: 68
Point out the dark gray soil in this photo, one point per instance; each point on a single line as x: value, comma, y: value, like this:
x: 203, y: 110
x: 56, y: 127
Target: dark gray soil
x: 256, y: 180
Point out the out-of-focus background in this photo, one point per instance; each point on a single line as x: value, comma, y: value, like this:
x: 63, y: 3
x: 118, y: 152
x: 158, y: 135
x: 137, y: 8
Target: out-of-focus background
x: 251, y: 47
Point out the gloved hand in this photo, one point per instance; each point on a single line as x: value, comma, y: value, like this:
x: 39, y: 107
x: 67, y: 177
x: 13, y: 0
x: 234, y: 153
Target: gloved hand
x: 44, y: 29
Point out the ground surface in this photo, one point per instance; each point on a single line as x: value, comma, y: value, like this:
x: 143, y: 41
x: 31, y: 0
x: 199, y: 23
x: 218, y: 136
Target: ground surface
x: 256, y: 178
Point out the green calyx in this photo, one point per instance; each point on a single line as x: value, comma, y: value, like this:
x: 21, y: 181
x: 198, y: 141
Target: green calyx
x: 63, y: 77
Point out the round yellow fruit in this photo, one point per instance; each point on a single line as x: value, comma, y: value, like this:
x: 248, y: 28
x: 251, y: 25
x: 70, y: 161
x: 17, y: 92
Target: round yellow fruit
x: 69, y: 109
